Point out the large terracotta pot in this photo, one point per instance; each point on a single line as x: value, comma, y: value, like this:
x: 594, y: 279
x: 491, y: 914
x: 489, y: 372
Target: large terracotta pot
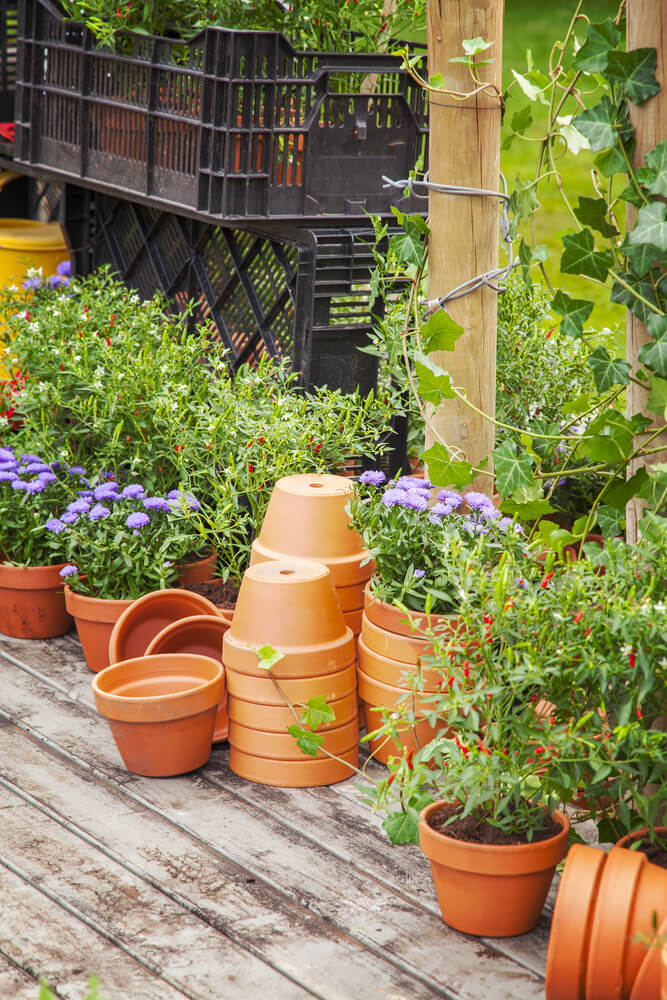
x: 94, y: 618
x: 161, y: 710
x: 32, y: 602
x: 487, y: 889
x: 262, y: 690
x: 604, y: 907
x: 200, y: 634
x: 146, y: 616
x: 276, y: 718
x: 282, y: 746
x: 375, y: 694
x: 407, y: 624
x: 664, y: 971
x: 309, y: 772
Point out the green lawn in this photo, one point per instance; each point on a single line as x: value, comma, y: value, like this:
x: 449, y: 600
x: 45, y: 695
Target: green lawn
x: 536, y: 26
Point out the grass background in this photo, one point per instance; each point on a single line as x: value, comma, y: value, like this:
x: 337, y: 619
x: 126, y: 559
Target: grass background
x: 536, y: 25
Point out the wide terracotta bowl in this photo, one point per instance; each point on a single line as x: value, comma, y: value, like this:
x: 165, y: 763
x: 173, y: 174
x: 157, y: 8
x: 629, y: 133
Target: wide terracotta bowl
x: 161, y: 710
x: 148, y: 615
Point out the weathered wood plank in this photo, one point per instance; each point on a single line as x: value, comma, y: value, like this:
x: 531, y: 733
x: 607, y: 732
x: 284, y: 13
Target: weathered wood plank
x: 415, y: 941
x: 16, y: 983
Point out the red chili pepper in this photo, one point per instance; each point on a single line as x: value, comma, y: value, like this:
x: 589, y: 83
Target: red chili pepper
x: 316, y: 448
x: 108, y: 341
x: 391, y: 778
x: 411, y: 754
x: 111, y: 321
x: 251, y: 468
x: 588, y: 630
x: 545, y: 580
x: 640, y: 714
x: 631, y: 660
x: 578, y: 617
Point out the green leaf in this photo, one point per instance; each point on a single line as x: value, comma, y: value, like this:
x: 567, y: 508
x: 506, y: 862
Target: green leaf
x: 609, y: 438
x: 575, y: 312
x: 434, y: 382
x: 444, y: 472
x: 598, y: 124
x: 317, y: 713
x: 574, y: 140
x: 522, y: 120
x: 309, y: 743
x: 610, y: 162
x: 512, y: 470
x: 657, y: 400
x: 656, y: 159
x: 651, y: 226
x: 635, y: 71
x: 440, y: 332
x: 581, y: 257
x: 268, y: 657
x: 618, y: 495
x: 654, y: 356
x: 608, y: 371
x: 592, y: 212
x: 656, y: 325
x: 437, y: 81
x: 471, y: 46
x: 401, y: 828
x: 532, y: 91
x: 524, y: 200
x: 625, y: 297
x: 600, y: 39
x: 641, y: 256
x: 408, y: 247
x: 529, y: 511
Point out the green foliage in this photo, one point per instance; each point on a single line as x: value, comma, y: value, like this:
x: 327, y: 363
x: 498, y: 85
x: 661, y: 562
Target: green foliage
x: 91, y: 994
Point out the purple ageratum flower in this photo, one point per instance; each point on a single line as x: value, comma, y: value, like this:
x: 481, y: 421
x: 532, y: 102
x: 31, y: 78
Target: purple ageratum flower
x: 68, y: 570
x: 19, y: 484
x: 156, y: 503
x: 415, y: 500
x: 138, y: 520
x: 391, y: 497
x: 477, y: 501
x: 107, y: 491
x: 8, y: 476
x: 55, y: 466
x: 133, y: 490
x: 373, y: 477
x: 35, y: 486
x: 450, y: 497
x: 412, y: 483
x: 81, y: 506
x: 32, y: 283
x: 27, y: 458
x: 419, y: 573
x: 98, y: 513
x: 55, y: 280
x: 475, y: 525
x: 7, y: 455
x: 434, y: 519
x: 55, y: 525
x: 69, y: 517
x: 9, y: 465
x: 64, y: 269
x: 506, y: 524
x: 76, y: 470
x: 442, y: 509
x: 47, y: 477
x: 85, y: 494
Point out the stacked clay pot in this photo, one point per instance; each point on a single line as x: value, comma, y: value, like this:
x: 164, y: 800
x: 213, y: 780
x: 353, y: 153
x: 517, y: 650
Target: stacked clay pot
x: 603, y: 920
x: 306, y: 519
x: 292, y: 607
x: 390, y: 649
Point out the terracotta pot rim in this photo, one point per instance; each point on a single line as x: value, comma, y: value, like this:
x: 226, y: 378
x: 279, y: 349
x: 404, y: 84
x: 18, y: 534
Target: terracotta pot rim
x: 415, y: 617
x: 25, y: 577
x: 330, y: 561
x: 295, y: 651
x: 629, y: 838
x: 119, y: 699
x: 175, y: 627
x: 92, y: 608
x: 514, y: 854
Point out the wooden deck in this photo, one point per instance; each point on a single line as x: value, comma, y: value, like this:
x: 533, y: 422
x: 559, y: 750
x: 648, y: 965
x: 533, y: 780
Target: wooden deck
x: 206, y: 886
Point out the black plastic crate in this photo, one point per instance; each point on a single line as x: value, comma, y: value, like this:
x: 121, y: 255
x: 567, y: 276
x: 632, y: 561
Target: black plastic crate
x: 231, y: 125
x: 8, y: 43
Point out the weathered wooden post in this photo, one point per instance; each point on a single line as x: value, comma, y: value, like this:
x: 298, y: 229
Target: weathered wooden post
x: 465, y: 150
x: 646, y: 27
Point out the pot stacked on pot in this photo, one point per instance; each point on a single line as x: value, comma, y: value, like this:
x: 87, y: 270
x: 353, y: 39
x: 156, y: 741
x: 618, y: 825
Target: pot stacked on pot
x: 390, y: 649
x: 292, y: 607
x: 306, y: 519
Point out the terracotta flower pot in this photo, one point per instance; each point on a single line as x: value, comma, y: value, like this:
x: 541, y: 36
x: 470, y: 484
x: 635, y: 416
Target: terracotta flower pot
x: 276, y: 718
x: 351, y: 598
x: 605, y: 904
x: 32, y: 602
x: 306, y: 519
x: 651, y: 973
x: 94, y: 618
x: 281, y: 746
x: 393, y: 672
x: 392, y: 619
x: 491, y: 890
x: 664, y: 972
x: 161, y: 710
x: 200, y: 634
x: 199, y: 571
x: 261, y: 690
x: 375, y: 694
x: 144, y: 618
x: 309, y: 772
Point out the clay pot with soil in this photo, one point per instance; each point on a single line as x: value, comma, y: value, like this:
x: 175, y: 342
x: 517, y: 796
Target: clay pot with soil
x: 95, y: 618
x: 32, y: 602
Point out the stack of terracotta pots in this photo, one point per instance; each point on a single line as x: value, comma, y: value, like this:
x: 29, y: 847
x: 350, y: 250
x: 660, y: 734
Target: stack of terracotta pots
x: 292, y: 607
x: 306, y: 519
x: 607, y: 908
x: 390, y: 649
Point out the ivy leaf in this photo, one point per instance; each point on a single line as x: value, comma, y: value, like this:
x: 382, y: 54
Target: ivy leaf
x: 581, y: 257
x: 443, y: 471
x: 471, y: 46
x: 610, y: 161
x: 575, y: 312
x: 610, y: 522
x: 635, y: 70
x: 657, y: 400
x: 512, y: 470
x: 434, y: 382
x: 522, y: 120
x: 524, y: 200
x: 529, y: 511
x: 437, y: 81
x: 641, y: 256
x: 608, y: 371
x: 268, y: 657
x: 654, y: 356
x: 598, y: 125
x: 317, y: 712
x: 600, y: 39
x: 574, y: 140
x: 532, y: 91
x: 657, y: 161
x: 656, y: 325
x: 651, y: 226
x: 401, y: 828
x: 625, y: 297
x: 309, y: 743
x: 609, y: 438
x: 592, y: 212
x: 440, y: 332
x: 618, y: 495
x: 408, y: 246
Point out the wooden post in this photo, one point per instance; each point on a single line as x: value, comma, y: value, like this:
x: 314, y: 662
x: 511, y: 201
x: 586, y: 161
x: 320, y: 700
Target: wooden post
x: 646, y: 27
x: 464, y: 149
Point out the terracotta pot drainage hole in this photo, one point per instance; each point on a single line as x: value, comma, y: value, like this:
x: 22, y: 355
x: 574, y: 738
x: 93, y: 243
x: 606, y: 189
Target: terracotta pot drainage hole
x: 286, y: 572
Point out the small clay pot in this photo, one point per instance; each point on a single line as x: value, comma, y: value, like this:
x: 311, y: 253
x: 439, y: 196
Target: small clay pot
x: 350, y: 598
x: 491, y: 890
x: 161, y: 710
x: 281, y: 746
x: 199, y: 571
x: 396, y: 673
x: 200, y: 634
x: 410, y: 624
x: 32, y: 602
x: 310, y: 772
x: 262, y: 690
x: 148, y: 615
x: 405, y: 649
x: 94, y: 618
x: 276, y: 718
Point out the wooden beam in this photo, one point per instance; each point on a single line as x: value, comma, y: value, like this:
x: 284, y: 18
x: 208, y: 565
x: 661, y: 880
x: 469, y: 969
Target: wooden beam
x: 465, y: 150
x: 646, y: 27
